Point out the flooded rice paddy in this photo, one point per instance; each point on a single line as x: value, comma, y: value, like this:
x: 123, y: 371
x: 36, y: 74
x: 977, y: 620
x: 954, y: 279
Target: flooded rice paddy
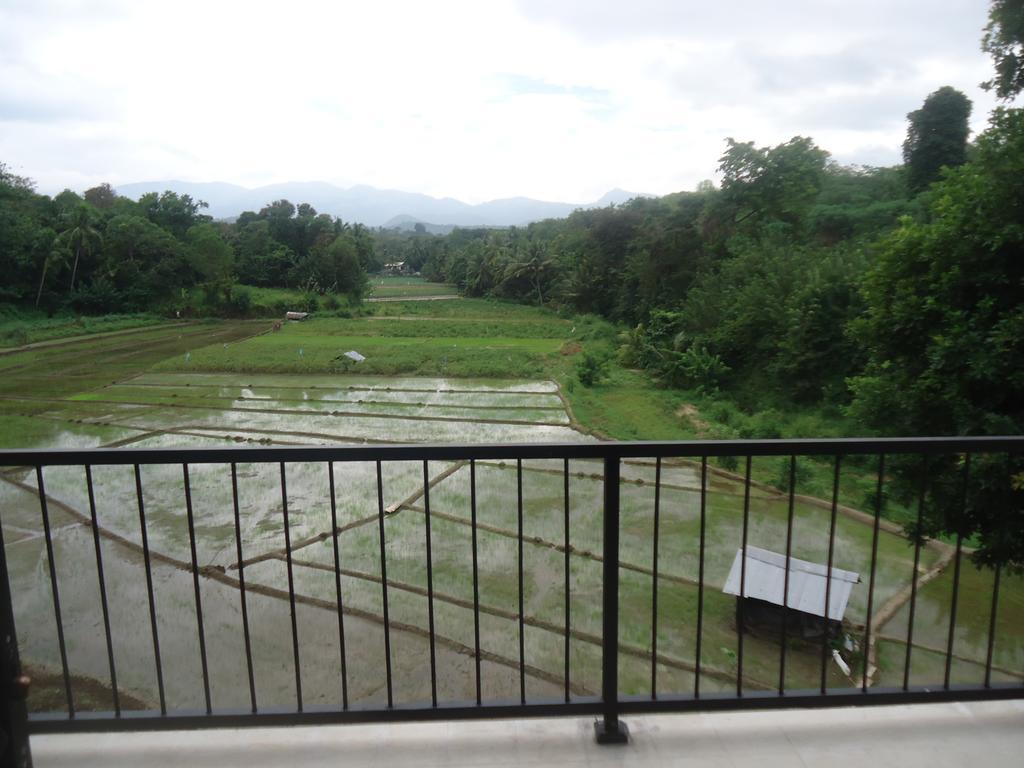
x: 158, y: 652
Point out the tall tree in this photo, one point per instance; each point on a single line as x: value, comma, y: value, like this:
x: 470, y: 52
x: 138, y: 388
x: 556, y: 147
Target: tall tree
x: 1004, y: 42
x: 771, y: 183
x: 944, y: 336
x: 80, y: 235
x: 101, y: 197
x: 57, y: 255
x: 936, y: 136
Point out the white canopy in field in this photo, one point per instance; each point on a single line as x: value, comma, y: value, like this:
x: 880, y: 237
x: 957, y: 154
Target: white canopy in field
x: 766, y: 578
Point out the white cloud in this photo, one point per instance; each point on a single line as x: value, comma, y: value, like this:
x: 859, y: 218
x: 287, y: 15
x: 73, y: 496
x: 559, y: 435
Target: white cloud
x: 468, y: 99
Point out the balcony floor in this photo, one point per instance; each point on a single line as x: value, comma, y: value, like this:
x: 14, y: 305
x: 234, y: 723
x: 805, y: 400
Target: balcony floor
x: 981, y: 734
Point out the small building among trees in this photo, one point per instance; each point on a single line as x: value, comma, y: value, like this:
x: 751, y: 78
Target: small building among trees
x: 762, y: 604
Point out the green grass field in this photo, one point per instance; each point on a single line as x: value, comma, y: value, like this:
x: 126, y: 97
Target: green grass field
x: 20, y: 327
x: 384, y: 287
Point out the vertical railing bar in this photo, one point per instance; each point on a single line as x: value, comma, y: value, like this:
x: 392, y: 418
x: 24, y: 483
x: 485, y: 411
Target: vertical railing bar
x: 384, y: 584
x: 103, y: 590
x: 195, y: 585
x: 995, y: 583
x: 430, y: 586
x: 149, y: 591
x: 952, y: 613
x: 874, y: 563
x: 566, y: 650
x: 992, y: 628
x: 16, y: 746
x: 785, y: 583
x: 956, y: 571
x: 241, y: 586
x: 828, y: 574
x: 335, y: 536
x: 291, y: 589
x: 743, y: 580
x: 654, y: 581
x: 476, y: 580
x: 700, y: 574
x: 610, y: 730
x: 522, y: 637
x: 917, y: 562
x: 55, y: 591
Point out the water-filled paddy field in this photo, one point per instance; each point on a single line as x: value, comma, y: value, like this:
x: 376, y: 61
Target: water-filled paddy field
x: 558, y: 544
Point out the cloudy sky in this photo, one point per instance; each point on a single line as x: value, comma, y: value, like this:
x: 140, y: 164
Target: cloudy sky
x: 552, y: 99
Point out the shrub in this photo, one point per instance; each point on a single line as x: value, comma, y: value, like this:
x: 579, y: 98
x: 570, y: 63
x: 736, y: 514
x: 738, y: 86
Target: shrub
x: 240, y: 301
x: 591, y: 369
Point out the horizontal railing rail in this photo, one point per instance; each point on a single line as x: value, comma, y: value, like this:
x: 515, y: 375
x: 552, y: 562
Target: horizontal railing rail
x: 448, y: 451
x: 667, y: 574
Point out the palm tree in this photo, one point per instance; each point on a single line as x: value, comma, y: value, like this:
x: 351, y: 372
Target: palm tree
x: 58, y: 254
x: 80, y: 235
x: 536, y: 265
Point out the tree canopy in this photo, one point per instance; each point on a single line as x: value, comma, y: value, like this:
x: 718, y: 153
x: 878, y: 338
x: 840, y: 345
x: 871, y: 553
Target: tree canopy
x: 936, y: 136
x: 1004, y: 42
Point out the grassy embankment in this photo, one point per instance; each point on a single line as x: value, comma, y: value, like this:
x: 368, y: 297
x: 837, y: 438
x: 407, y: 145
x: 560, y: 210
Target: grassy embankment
x: 19, y: 327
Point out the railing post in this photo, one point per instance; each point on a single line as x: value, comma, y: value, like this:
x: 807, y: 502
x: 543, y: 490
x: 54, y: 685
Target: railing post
x: 609, y: 730
x: 14, y: 748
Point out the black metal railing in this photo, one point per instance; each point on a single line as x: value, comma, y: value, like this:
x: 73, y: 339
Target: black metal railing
x: 611, y: 698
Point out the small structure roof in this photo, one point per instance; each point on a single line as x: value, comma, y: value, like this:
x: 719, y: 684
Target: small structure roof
x: 766, y: 579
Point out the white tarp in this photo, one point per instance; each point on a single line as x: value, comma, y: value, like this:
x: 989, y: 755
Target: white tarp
x: 353, y: 355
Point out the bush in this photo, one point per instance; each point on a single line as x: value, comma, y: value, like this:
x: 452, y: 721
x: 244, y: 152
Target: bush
x: 241, y: 301
x: 591, y: 369
x: 765, y: 425
x: 15, y: 336
x: 310, y: 303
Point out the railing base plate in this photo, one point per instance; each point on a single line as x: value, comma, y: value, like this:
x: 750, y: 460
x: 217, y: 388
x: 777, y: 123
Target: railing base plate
x: 618, y: 734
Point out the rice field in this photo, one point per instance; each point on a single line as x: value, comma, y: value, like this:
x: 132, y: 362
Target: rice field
x: 140, y: 401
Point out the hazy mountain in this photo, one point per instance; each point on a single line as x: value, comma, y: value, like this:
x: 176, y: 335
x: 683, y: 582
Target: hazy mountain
x: 369, y: 205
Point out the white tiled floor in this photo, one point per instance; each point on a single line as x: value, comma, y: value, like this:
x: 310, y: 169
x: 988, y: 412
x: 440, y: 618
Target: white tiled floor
x: 978, y: 735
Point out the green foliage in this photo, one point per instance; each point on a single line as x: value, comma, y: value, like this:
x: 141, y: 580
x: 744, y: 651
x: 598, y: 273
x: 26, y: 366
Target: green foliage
x: 591, y: 368
x: 1004, y: 42
x: 944, y: 326
x: 936, y: 136
x: 771, y: 183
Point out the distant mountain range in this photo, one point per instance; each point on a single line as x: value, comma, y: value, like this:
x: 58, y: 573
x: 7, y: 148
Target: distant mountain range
x: 370, y: 206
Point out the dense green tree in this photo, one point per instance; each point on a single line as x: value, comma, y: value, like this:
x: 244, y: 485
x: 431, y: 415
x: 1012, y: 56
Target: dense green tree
x: 944, y: 330
x: 26, y: 235
x: 780, y: 183
x: 101, y: 197
x: 936, y: 136
x: 1004, y: 42
x: 208, y: 254
x: 175, y: 213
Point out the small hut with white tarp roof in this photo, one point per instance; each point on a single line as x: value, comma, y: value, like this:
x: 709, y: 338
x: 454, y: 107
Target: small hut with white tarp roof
x: 764, y: 603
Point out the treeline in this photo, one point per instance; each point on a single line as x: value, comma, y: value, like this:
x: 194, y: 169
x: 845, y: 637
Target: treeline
x: 101, y: 252
x: 749, y: 285
x: 894, y: 293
